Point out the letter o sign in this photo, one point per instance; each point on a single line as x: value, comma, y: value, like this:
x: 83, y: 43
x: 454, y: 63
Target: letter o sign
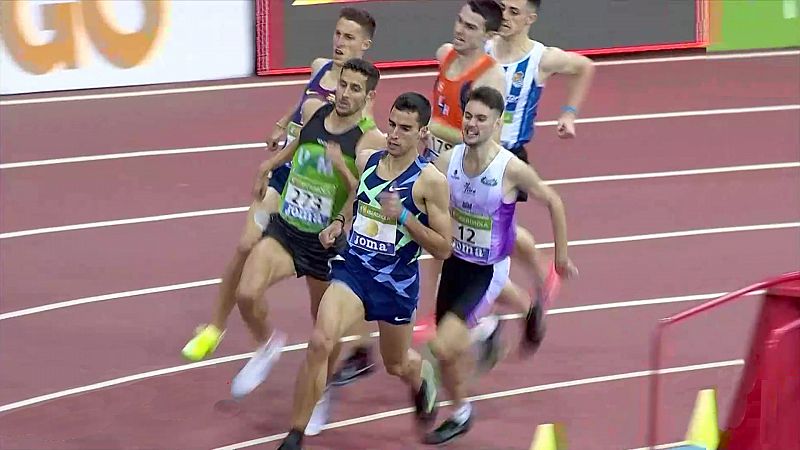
x: 67, y: 20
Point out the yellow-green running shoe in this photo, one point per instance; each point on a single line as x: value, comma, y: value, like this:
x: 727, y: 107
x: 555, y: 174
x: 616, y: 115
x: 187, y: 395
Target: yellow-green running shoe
x: 203, y: 344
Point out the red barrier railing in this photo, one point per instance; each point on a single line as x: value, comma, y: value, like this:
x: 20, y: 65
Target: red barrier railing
x: 655, y: 354
x: 770, y: 392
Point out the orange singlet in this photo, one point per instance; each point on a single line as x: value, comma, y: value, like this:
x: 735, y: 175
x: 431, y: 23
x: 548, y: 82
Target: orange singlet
x: 450, y: 95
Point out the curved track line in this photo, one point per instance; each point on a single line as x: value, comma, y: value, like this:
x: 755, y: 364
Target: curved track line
x: 566, y: 181
x: 304, y: 345
x: 502, y: 394
x: 577, y: 243
x: 303, y: 81
x: 229, y: 147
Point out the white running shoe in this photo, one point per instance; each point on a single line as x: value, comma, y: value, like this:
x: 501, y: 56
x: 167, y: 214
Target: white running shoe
x: 319, y: 418
x: 257, y: 369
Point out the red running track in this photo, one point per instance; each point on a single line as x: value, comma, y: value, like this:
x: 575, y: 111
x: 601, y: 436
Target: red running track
x: 76, y: 346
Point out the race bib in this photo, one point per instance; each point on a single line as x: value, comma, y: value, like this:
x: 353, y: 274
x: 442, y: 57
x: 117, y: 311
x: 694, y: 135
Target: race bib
x: 308, y: 201
x: 372, y: 231
x: 472, y: 234
x: 440, y: 145
x: 292, y: 132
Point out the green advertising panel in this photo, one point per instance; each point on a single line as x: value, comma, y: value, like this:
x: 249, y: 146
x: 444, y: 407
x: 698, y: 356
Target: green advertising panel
x: 752, y: 24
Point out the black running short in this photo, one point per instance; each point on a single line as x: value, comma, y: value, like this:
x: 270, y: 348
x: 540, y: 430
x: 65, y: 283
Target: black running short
x: 521, y: 153
x: 469, y: 290
x: 309, y: 256
x: 279, y: 176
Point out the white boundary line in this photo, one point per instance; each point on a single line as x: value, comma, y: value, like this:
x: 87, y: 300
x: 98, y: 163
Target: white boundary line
x: 111, y: 223
x: 663, y: 446
x: 303, y: 81
x: 676, y: 173
x: 212, y: 212
x: 576, y: 243
x: 303, y: 345
x: 251, y: 145
x: 502, y: 394
x: 139, y: 154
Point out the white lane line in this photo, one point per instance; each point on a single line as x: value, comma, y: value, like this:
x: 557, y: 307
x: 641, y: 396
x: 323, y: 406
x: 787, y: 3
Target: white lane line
x: 230, y: 147
x: 663, y: 446
x: 408, y: 75
x: 674, y: 234
x: 594, y: 179
x: 584, y: 242
x: 676, y: 173
x: 172, y: 151
x: 106, y: 297
x: 503, y: 394
x: 304, y: 345
x: 111, y: 223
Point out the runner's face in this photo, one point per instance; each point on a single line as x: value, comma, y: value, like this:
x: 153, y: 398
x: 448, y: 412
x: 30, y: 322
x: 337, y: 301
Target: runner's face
x: 469, y: 32
x: 403, y: 135
x: 517, y: 14
x: 349, y: 41
x: 479, y: 124
x: 351, y: 93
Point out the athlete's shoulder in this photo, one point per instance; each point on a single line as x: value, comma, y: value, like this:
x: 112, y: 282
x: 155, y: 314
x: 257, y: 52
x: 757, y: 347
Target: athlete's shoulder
x: 443, y: 50
x: 494, y: 77
x: 318, y: 64
x: 432, y: 178
x: 517, y: 169
x: 372, y: 138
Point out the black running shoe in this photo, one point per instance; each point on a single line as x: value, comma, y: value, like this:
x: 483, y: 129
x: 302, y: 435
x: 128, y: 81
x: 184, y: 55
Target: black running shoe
x: 293, y: 441
x: 447, y: 431
x: 358, y: 364
x: 534, y: 327
x: 425, y: 398
x: 490, y: 351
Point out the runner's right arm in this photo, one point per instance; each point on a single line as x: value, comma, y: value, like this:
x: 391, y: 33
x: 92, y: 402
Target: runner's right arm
x: 283, y: 123
x: 284, y: 155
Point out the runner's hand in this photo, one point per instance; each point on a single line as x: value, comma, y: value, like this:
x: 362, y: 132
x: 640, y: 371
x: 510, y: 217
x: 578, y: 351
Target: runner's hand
x: 390, y: 204
x: 566, y: 126
x: 274, y: 139
x: 565, y: 268
x: 333, y: 151
x: 260, y: 187
x: 328, y: 236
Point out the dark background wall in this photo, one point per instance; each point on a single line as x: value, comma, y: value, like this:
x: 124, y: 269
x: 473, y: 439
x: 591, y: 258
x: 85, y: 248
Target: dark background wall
x: 413, y: 29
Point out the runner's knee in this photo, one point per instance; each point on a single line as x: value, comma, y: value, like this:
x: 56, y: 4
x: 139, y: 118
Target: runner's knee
x: 246, y: 244
x: 320, y: 346
x: 395, y: 364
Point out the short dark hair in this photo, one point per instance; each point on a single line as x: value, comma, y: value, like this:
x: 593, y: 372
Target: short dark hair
x: 414, y: 102
x: 490, y: 10
x: 361, y: 17
x: 490, y: 97
x: 365, y: 68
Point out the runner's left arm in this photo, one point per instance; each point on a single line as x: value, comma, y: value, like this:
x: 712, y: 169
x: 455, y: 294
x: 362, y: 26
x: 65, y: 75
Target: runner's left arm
x: 525, y: 178
x: 437, y: 237
x: 580, y: 72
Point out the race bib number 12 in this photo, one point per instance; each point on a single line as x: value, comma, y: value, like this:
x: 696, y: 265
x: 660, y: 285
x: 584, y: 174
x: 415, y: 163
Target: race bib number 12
x: 473, y: 234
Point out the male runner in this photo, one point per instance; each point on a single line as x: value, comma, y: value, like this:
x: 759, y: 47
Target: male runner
x: 352, y: 37
x: 400, y: 208
x: 484, y: 180
x: 527, y: 65
x: 319, y: 183
x: 464, y: 65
